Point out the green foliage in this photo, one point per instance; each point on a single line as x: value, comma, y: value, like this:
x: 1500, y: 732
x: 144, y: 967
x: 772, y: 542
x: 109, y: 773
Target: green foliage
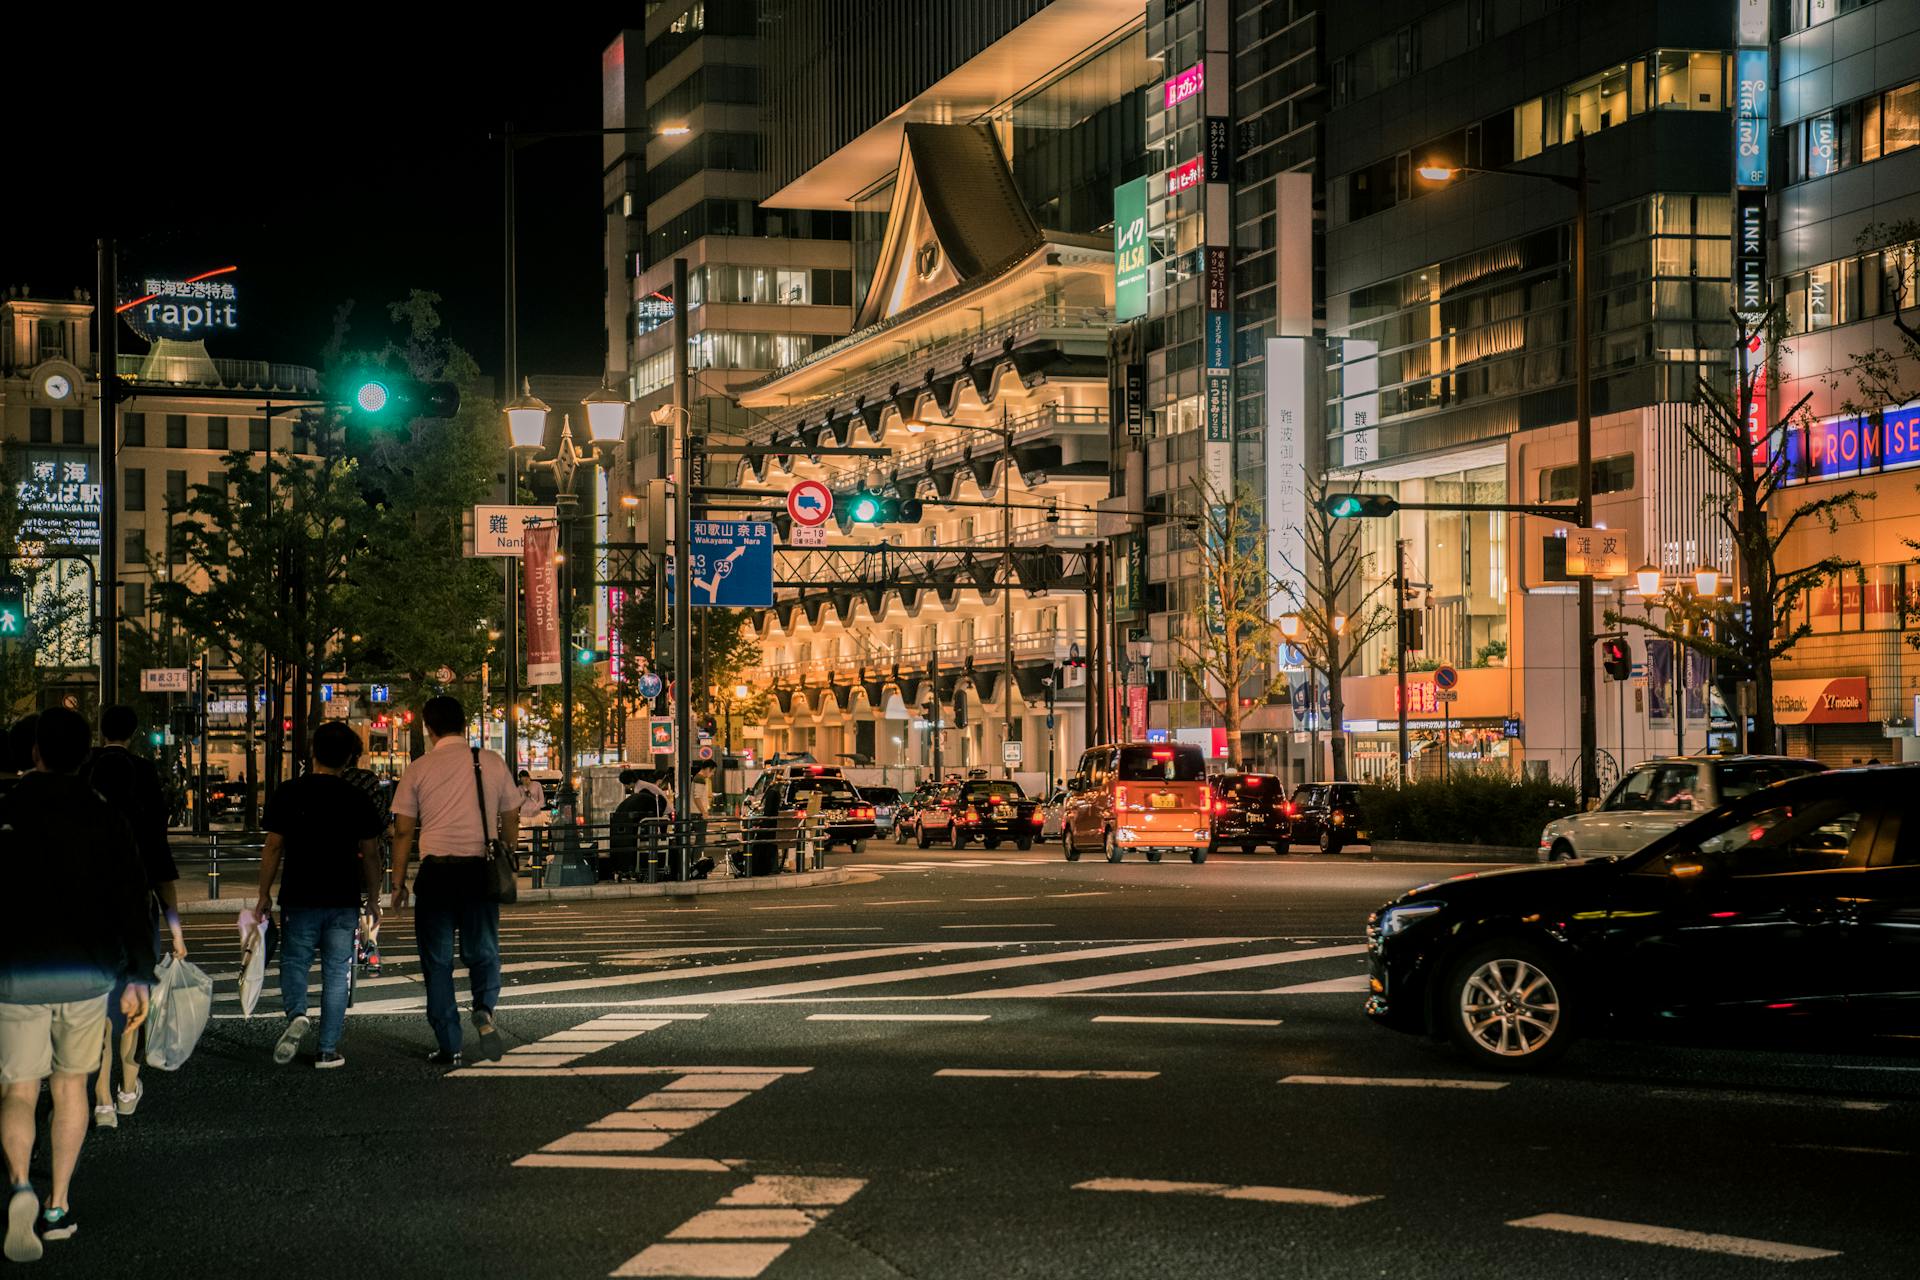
x: 1471, y: 807
x: 57, y: 601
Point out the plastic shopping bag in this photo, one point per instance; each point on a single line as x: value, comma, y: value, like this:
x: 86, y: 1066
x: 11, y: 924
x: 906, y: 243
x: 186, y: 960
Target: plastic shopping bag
x: 182, y: 1001
x: 253, y: 959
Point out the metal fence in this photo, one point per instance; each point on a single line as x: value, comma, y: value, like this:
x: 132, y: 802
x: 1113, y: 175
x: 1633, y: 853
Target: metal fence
x: 656, y: 850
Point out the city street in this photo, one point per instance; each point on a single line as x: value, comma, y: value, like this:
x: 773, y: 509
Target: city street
x: 991, y: 1064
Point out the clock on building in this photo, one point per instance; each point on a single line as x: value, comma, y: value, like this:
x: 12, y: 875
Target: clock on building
x: 57, y: 387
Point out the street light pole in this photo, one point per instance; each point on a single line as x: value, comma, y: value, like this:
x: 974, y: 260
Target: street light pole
x: 510, y: 676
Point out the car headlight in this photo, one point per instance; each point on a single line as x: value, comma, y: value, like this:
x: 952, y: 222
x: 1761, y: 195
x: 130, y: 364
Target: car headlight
x: 1395, y: 919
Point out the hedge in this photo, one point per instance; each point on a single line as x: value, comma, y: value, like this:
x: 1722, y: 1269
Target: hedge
x: 1469, y: 808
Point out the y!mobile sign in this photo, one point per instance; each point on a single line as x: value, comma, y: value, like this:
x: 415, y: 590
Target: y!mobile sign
x: 1187, y: 84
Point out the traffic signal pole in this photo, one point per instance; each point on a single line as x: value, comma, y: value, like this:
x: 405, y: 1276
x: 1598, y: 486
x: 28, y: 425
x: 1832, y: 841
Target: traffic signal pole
x: 510, y: 632
x: 106, y: 326
x: 683, y: 563
x: 1583, y: 416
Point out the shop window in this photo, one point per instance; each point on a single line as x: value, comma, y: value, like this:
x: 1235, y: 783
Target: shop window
x: 1610, y: 475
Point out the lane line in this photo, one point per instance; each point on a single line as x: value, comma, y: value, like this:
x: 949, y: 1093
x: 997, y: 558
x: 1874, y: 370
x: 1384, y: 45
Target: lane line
x: 799, y: 906
x: 1134, y: 977
x: 1080, y: 956
x: 1018, y: 897
x: 1085, y: 893
x: 1331, y: 986
x: 1398, y: 1082
x: 734, y: 1261
x: 659, y: 1164
x: 999, y: 926
x: 1673, y: 1237
x: 1224, y: 1191
x: 898, y: 1017
x: 1771, y: 1099
x: 622, y: 1071
x: 985, y: 1073
x: 1854, y: 1151
x: 900, y: 902
x: 1214, y: 1022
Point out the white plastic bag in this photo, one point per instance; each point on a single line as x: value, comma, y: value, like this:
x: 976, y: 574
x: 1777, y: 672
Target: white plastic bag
x: 253, y: 959
x: 182, y: 1001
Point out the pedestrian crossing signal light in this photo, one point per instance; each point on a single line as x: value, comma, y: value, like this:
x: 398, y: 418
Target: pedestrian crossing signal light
x: 15, y: 622
x: 1362, y: 506
x: 868, y: 507
x: 1617, y: 658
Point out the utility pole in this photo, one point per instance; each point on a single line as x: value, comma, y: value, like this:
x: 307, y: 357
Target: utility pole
x: 683, y: 566
x: 106, y: 325
x: 1400, y: 643
x: 1008, y: 688
x: 510, y: 677
x: 1583, y: 498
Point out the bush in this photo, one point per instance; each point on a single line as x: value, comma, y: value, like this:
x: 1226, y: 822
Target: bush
x: 1469, y: 808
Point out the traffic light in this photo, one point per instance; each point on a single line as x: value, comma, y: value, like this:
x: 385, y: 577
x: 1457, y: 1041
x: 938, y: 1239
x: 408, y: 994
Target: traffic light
x: 585, y: 655
x: 869, y: 507
x: 1413, y: 630
x: 158, y: 737
x: 15, y: 622
x: 1616, y: 657
x: 378, y: 398
x: 1364, y: 506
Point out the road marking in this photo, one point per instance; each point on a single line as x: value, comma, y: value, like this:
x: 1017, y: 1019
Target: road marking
x: 813, y: 986
x: 1398, y: 1082
x: 1018, y: 897
x: 1331, y: 986
x: 658, y: 1164
x: 562, y: 1048
x: 1855, y: 1151
x: 738, y: 1259
x: 516, y: 1071
x: 746, y: 1224
x: 984, y: 1073
x: 730, y: 1080
x: 782, y: 1189
x: 1225, y: 1191
x: 999, y: 926
x: 675, y: 1121
x: 1084, y: 893
x: 901, y: 902
x: 799, y: 906
x: 832, y: 928
x: 1217, y: 1022
x: 898, y: 1017
x: 1132, y: 977
x: 1700, y: 1241
x: 1775, y: 1099
x: 601, y: 1140
x: 707, y: 1099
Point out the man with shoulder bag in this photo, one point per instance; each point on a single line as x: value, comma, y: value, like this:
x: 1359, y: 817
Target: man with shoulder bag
x: 458, y: 804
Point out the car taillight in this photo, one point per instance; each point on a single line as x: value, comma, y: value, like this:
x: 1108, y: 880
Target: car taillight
x: 1219, y: 806
x: 946, y: 804
x: 1039, y: 819
x: 1290, y: 809
x: 1120, y: 797
x: 971, y: 815
x: 862, y: 811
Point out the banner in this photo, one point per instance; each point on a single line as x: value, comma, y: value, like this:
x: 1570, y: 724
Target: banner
x: 1130, y: 249
x: 540, y: 564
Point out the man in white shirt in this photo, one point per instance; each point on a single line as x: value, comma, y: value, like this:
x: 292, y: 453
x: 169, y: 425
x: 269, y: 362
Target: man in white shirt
x: 450, y: 802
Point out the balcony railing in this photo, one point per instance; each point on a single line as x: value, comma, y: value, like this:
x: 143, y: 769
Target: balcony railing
x: 953, y: 654
x: 233, y: 375
x: 958, y: 443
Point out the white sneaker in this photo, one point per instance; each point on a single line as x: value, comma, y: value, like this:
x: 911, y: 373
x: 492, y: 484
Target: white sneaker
x: 105, y: 1117
x: 23, y: 1243
x: 289, y: 1042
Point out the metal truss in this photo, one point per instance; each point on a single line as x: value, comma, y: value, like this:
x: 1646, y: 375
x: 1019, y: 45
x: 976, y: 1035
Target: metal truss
x: 886, y: 568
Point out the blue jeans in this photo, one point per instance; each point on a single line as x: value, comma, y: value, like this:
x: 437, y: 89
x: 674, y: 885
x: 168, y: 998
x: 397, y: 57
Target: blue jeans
x: 330, y: 930
x: 450, y: 897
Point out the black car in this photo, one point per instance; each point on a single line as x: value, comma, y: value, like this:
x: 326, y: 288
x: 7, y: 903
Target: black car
x: 1250, y: 809
x: 1327, y: 814
x: 788, y: 795
x: 1790, y: 910
x: 990, y: 810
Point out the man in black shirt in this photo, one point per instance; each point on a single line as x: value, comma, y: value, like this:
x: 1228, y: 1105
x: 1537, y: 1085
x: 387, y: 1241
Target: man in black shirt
x: 73, y: 923
x: 325, y: 831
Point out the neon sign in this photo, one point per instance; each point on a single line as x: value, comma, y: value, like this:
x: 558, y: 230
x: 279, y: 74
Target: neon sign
x: 1186, y: 85
x: 1181, y: 177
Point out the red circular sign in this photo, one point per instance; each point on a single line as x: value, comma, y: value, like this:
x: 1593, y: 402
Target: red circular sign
x: 810, y: 503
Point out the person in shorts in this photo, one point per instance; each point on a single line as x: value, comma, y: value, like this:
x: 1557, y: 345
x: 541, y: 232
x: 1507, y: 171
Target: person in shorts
x: 74, y: 921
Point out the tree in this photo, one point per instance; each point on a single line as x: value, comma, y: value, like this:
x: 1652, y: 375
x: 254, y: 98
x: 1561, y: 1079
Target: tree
x: 1745, y: 452
x: 725, y: 650
x: 1339, y: 613
x: 422, y: 603
x: 1226, y: 646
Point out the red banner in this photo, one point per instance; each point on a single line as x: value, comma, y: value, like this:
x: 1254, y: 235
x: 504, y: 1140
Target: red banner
x: 1841, y: 700
x: 540, y: 566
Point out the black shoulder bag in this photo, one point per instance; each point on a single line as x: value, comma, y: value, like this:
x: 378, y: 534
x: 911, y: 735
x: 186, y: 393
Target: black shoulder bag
x: 503, y: 880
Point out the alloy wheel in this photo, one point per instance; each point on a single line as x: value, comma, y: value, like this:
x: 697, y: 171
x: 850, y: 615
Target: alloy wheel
x: 1510, y: 1007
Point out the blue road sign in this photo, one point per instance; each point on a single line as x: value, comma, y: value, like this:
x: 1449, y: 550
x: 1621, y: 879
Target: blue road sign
x: 381, y: 693
x: 650, y: 685
x: 732, y: 563
x: 1445, y: 677
x: 326, y: 693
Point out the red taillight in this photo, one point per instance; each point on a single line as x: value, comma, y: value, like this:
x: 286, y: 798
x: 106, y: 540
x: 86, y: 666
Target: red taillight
x: 971, y: 815
x: 1290, y: 808
x: 1039, y: 820
x: 862, y: 811
x: 1251, y: 783
x: 1219, y: 806
x: 1163, y: 753
x: 816, y: 768
x: 946, y: 804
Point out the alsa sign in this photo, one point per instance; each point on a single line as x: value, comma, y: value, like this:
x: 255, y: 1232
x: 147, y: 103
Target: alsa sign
x: 1186, y: 85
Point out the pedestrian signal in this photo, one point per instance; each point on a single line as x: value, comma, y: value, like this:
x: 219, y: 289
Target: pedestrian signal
x: 15, y: 622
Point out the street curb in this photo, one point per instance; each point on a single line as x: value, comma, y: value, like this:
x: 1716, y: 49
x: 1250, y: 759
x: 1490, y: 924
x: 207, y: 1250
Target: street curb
x: 1427, y: 851
x: 678, y: 889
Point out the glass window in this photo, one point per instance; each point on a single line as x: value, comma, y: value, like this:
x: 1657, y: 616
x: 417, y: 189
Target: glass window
x: 73, y: 426
x: 176, y: 431
x: 217, y: 433
x: 1816, y: 836
x: 133, y: 429
x: 40, y: 426
x: 1900, y: 124
x: 258, y: 439
x: 1631, y: 793
x: 1870, y: 130
x: 176, y: 489
x: 1171, y: 763
x: 1673, y: 786
x: 134, y: 547
x: 135, y: 480
x: 1821, y: 138
x: 136, y: 598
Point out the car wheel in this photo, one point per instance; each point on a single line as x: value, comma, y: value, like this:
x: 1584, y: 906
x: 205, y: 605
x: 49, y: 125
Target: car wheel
x: 1198, y: 855
x: 1153, y: 855
x: 1507, y: 1005
x: 921, y: 839
x: 1249, y: 849
x: 991, y: 842
x: 956, y: 837
x: 857, y: 847
x: 1329, y: 843
x: 1024, y: 843
x: 1114, y: 851
x: 1069, y: 847
x: 1561, y: 852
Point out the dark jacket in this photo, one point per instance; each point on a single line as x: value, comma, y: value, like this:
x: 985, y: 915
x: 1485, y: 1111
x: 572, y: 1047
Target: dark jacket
x: 132, y: 786
x: 74, y: 911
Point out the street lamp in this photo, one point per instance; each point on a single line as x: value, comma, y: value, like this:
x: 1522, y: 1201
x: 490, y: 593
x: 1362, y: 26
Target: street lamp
x: 1434, y: 171
x: 1647, y: 580
x: 1706, y: 581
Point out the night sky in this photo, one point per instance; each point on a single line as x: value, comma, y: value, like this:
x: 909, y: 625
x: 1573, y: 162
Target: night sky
x: 333, y: 160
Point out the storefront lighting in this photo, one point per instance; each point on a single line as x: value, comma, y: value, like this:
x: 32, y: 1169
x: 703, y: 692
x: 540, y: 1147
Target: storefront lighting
x: 1436, y: 172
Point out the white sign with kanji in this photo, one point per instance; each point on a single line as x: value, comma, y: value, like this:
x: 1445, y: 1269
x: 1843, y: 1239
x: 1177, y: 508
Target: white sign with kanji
x: 499, y: 531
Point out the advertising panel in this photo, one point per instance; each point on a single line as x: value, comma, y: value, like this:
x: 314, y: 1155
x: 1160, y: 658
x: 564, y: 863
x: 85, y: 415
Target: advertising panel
x: 540, y: 564
x: 1130, y: 249
x: 1751, y: 109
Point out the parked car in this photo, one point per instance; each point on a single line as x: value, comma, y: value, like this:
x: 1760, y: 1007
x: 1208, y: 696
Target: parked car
x: 1250, y: 809
x: 1148, y: 796
x: 1327, y: 814
x: 886, y: 804
x: 850, y: 819
x: 1660, y: 795
x: 1789, y: 909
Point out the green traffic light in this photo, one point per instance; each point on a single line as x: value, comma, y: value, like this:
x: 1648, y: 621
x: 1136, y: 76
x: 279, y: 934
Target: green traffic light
x: 1346, y: 506
x: 156, y: 737
x: 866, y: 509
x: 372, y: 396
x: 585, y: 657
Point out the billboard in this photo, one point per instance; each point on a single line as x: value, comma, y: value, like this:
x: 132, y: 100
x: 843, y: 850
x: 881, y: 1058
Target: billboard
x: 60, y: 500
x: 186, y: 309
x: 1130, y: 249
x: 1751, y: 109
x: 540, y: 560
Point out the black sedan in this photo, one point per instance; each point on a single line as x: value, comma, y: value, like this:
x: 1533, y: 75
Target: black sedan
x: 1249, y: 810
x: 1793, y: 911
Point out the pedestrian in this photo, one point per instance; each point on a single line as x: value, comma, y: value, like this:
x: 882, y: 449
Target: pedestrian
x: 16, y: 757
x: 74, y: 922
x: 533, y: 801
x: 380, y: 791
x: 325, y: 832
x: 450, y: 803
x: 634, y: 821
x: 132, y: 786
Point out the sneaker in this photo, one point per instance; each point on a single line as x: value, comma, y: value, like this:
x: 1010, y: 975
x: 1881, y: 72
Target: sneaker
x: 105, y: 1117
x: 489, y: 1049
x: 289, y: 1042
x: 327, y: 1059
x: 444, y: 1058
x: 23, y: 1207
x: 124, y: 1102
x: 57, y: 1224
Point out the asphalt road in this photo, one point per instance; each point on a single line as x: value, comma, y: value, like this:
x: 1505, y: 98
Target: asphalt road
x: 982, y: 1065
